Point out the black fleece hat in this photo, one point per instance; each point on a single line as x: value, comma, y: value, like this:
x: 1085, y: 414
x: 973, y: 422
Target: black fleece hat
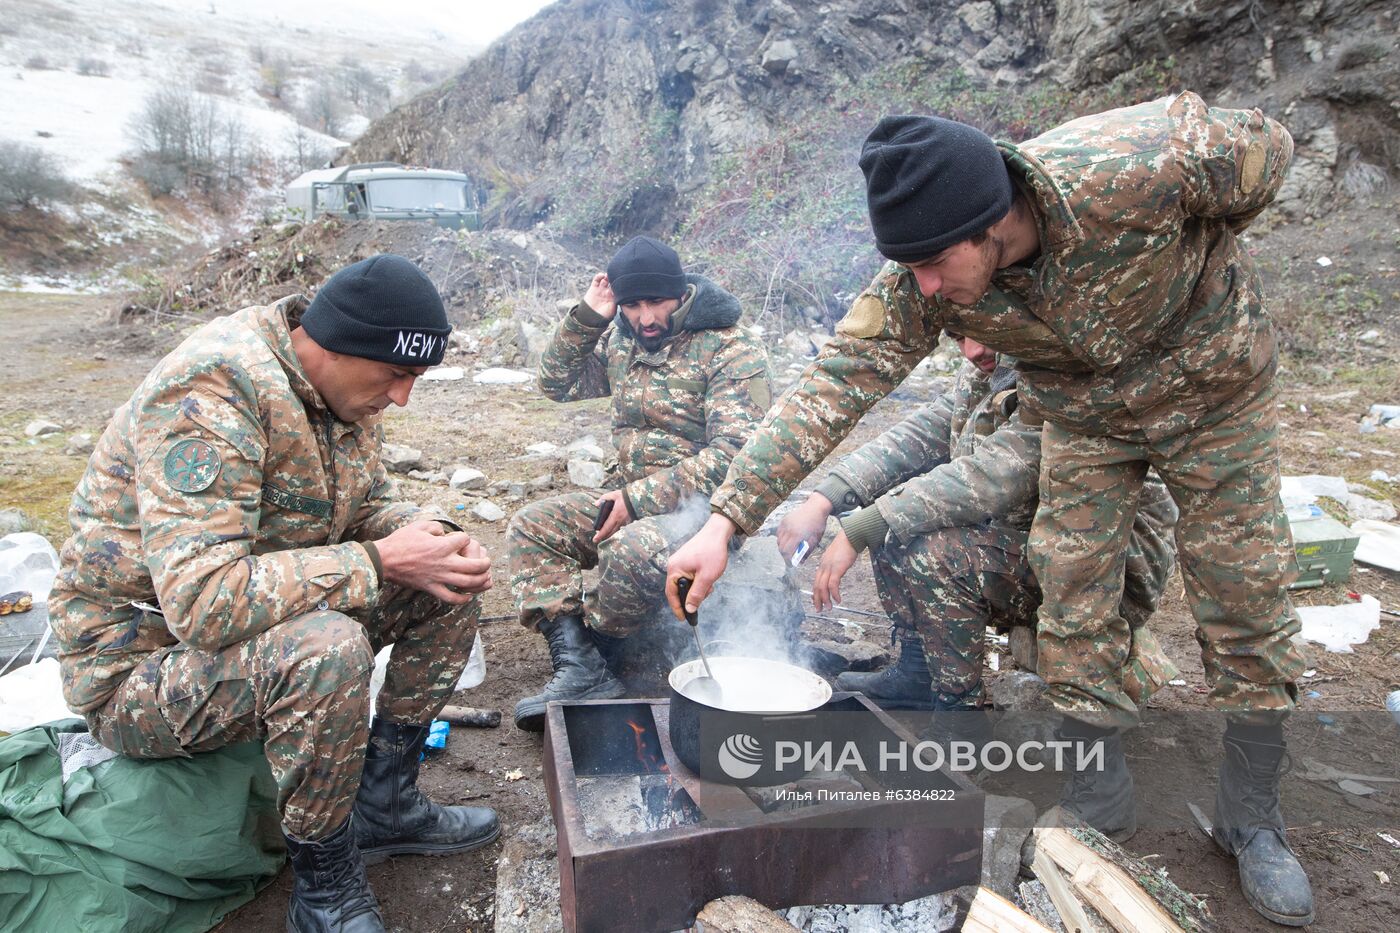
x: 645, y: 268
x: 381, y: 308
x: 931, y: 183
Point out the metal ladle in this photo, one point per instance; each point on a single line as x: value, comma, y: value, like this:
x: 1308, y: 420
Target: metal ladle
x: 704, y: 688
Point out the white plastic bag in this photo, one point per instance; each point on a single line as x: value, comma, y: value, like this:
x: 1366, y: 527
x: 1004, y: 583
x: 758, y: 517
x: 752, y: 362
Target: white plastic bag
x: 472, y: 675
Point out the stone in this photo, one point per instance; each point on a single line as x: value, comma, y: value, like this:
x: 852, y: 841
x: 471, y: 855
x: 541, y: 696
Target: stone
x: 1020, y: 691
x: 779, y: 57
x: 39, y: 427
x: 467, y: 478
x: 542, y: 449
x: 1008, y: 823
x: 739, y: 914
x: 78, y: 445
x: 427, y: 476
x: 487, y: 511
x: 541, y: 483
x: 515, y: 490
x: 587, y: 473
x: 586, y: 448
x: 1371, y: 336
x: 400, y: 458
x: 13, y: 521
x: 979, y: 17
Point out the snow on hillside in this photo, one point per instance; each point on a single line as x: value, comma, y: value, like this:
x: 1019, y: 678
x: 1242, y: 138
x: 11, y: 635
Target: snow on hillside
x: 73, y: 73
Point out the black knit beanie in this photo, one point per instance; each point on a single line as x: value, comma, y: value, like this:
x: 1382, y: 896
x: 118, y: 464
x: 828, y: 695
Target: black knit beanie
x: 645, y: 268
x: 381, y: 308
x: 931, y: 183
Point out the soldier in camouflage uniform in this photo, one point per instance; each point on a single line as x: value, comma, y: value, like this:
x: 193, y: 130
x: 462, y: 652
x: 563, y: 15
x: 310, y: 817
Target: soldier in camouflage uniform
x: 688, y: 386
x: 944, y: 502
x: 239, y: 555
x: 1105, y: 256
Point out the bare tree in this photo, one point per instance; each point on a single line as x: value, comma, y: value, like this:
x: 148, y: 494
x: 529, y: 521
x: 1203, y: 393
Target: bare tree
x: 185, y: 139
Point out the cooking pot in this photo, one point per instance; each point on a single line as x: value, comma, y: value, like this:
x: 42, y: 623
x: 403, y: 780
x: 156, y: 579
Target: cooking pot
x: 763, y: 702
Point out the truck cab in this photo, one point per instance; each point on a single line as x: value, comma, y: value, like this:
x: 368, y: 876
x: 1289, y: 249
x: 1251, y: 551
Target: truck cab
x: 386, y: 191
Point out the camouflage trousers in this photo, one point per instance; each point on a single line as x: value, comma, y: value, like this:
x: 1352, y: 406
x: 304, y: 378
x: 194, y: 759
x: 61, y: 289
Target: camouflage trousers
x: 550, y: 545
x: 302, y: 687
x: 1232, y: 540
x: 950, y: 585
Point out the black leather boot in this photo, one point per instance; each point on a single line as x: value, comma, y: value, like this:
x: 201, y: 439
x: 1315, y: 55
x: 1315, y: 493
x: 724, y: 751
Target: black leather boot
x: 392, y: 817
x: 579, y: 672
x: 330, y: 893
x: 905, y: 684
x: 1249, y: 824
x: 1102, y: 797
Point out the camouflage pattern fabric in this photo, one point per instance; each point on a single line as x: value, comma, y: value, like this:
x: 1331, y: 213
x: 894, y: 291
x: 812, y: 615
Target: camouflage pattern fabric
x: 222, y: 501
x: 681, y: 412
x: 1141, y: 322
x: 550, y: 545
x: 302, y: 687
x: 957, y: 484
x: 1236, y: 558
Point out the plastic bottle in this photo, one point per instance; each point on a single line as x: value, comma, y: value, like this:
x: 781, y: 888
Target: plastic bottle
x: 1392, y: 703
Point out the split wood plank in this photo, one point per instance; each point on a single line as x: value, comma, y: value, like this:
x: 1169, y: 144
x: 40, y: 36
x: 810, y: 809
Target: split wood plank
x: 1071, y: 912
x: 1106, y: 887
x: 992, y: 913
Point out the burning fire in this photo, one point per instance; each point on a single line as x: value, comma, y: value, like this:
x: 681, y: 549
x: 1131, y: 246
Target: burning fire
x: 649, y: 759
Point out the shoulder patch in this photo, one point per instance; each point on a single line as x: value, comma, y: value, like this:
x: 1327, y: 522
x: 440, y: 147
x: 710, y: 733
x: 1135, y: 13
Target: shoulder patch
x: 1252, y: 167
x: 192, y: 465
x: 865, y: 319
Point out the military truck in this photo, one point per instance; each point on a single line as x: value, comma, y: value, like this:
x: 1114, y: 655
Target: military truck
x: 386, y: 191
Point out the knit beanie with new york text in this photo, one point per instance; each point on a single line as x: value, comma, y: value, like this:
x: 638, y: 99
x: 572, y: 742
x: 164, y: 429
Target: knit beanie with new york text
x: 381, y: 308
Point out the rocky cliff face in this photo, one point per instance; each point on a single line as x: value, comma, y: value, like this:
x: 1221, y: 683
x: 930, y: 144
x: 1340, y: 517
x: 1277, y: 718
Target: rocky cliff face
x: 648, y: 96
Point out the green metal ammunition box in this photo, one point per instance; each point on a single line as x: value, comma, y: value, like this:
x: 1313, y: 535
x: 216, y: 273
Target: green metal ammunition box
x: 1323, y: 548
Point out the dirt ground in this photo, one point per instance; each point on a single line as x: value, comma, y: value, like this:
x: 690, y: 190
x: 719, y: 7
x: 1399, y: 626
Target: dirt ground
x: 66, y: 365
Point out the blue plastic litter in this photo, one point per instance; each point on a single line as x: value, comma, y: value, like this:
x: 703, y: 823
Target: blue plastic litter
x: 437, y: 737
x: 1312, y: 694
x: 1327, y: 720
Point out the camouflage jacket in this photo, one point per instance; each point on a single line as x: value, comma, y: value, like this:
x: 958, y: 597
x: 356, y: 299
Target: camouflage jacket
x: 1141, y: 318
x: 966, y: 459
x: 679, y: 413
x: 224, y: 497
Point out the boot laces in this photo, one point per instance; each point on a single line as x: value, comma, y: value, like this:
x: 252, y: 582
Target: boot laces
x: 346, y: 873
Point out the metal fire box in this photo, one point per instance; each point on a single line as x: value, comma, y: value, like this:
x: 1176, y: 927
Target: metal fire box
x: 1324, y: 550
x: 724, y: 839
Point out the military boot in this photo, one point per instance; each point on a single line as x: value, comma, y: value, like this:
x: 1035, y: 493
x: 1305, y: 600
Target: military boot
x: 1102, y: 797
x: 330, y: 893
x: 905, y: 684
x: 1249, y: 824
x: 392, y: 817
x: 956, y: 720
x: 579, y: 672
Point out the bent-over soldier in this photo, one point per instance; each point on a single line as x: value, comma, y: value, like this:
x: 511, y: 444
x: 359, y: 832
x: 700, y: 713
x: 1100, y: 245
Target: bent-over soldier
x: 239, y: 555
x: 1104, y: 256
x: 688, y: 386
x: 944, y: 501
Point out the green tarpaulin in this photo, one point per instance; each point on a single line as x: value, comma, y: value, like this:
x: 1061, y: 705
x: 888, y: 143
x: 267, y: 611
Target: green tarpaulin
x: 131, y: 845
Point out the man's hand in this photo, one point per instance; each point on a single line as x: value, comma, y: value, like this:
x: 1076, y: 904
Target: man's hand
x: 840, y: 556
x: 618, y: 517
x: 702, y: 559
x: 599, y: 296
x: 423, y: 556
x: 807, y: 523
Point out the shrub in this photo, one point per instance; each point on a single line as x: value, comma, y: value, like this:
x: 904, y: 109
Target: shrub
x: 94, y: 67
x: 28, y: 177
x: 37, y: 63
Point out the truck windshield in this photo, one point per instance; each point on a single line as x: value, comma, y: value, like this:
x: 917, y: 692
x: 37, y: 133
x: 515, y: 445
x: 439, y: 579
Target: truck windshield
x: 409, y: 194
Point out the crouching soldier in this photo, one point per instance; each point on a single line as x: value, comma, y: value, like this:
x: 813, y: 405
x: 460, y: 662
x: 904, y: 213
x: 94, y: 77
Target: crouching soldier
x: 688, y: 387
x: 944, y: 502
x: 239, y: 555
